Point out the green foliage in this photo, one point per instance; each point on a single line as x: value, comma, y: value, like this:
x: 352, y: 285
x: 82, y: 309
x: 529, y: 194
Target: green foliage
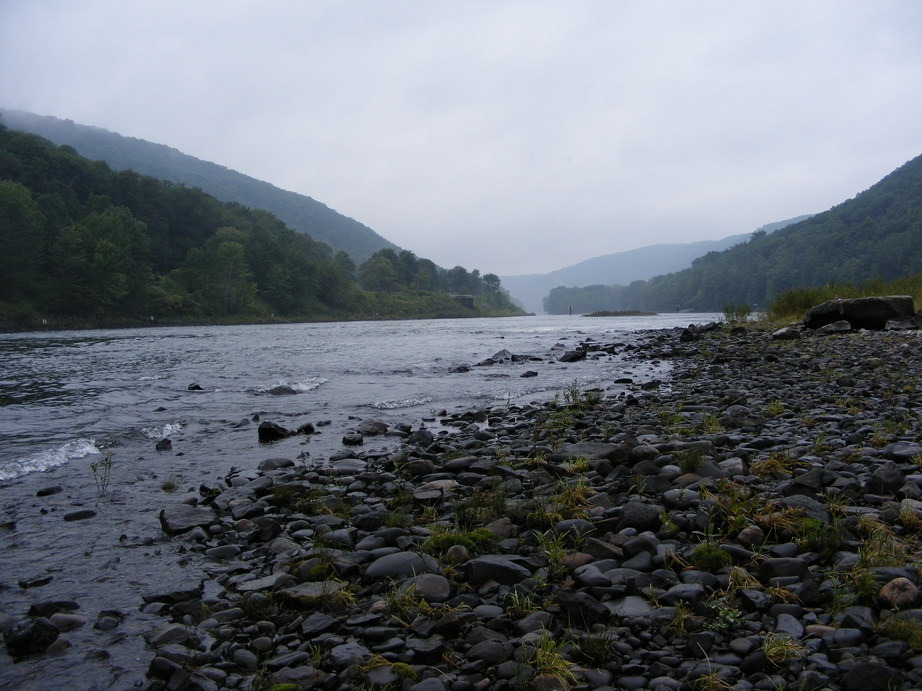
x: 547, y: 657
x: 86, y: 246
x: 818, y: 536
x: 736, y: 312
x: 876, y: 236
x: 102, y: 473
x: 709, y: 557
x: 443, y: 538
x: 904, y: 627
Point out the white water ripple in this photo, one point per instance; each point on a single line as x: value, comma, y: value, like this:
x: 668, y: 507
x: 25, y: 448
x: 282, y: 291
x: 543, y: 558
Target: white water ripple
x: 46, y: 460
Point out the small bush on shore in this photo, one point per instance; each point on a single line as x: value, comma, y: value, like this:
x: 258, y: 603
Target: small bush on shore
x: 735, y: 313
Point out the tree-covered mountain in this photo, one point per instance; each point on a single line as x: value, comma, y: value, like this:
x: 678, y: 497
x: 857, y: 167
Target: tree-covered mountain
x: 875, y: 235
x: 299, y: 212
x: 85, y: 245
x: 623, y: 267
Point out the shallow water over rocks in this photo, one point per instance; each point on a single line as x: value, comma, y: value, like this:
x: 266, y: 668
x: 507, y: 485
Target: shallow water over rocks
x: 68, y: 399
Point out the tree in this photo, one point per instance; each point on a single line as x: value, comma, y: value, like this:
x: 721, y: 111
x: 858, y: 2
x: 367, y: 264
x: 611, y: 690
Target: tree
x: 378, y: 273
x: 22, y: 239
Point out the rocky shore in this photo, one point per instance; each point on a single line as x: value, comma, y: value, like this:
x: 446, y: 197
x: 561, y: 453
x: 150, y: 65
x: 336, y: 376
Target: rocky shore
x: 754, y: 522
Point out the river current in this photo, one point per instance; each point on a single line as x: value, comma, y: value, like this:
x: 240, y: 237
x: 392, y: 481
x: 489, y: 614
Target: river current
x: 69, y: 400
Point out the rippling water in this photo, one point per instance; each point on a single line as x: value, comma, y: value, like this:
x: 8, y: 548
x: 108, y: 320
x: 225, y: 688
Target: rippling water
x: 68, y: 397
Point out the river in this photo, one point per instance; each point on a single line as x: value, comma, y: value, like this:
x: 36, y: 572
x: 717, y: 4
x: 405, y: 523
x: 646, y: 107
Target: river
x: 70, y: 400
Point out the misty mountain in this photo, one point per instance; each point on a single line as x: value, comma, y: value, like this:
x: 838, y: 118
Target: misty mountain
x: 623, y: 268
x: 299, y: 212
x: 874, y: 236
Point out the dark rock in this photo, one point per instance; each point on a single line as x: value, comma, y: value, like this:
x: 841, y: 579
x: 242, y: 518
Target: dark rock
x: 902, y: 451
x: 48, y: 491
x: 307, y: 428
x: 788, y: 333
x: 281, y: 390
x: 270, y: 432
x: 838, y: 327
x: 178, y: 518
x: 781, y: 567
x: 870, y: 674
x: 164, y: 445
x: 581, y: 607
x: 30, y: 637
x: 353, y: 439
x: 371, y: 428
x: 194, y: 387
x: 573, y: 356
x: 80, y: 515
x: 48, y: 607
x: 271, y: 464
x: 861, y: 313
x: 642, y: 516
x: 399, y: 565
x: 886, y: 479
x: 495, y: 568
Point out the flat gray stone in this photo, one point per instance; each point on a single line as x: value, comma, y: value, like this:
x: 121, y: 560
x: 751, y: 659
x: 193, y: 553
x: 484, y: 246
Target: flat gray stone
x: 399, y: 565
x: 178, y: 518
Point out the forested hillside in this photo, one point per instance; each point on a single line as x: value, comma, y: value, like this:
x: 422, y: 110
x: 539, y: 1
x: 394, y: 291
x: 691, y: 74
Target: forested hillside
x: 875, y: 235
x: 85, y: 245
x: 623, y: 267
x: 299, y: 212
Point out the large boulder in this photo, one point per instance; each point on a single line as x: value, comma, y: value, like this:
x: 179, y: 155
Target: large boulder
x: 861, y: 313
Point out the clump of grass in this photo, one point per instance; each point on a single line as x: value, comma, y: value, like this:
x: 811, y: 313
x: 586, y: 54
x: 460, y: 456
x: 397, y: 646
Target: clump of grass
x: 780, y: 647
x: 480, y: 508
x: 596, y: 647
x: 442, y: 538
x: 880, y: 547
x: 102, y: 473
x: 553, y: 546
x: 519, y: 604
x: 736, y: 312
x: 691, y: 459
x: 169, y: 485
x: 774, y: 408
x: 724, y: 615
x: 709, y: 557
x: 546, y: 656
x: 401, y: 670
x: 904, y: 627
x: 818, y: 536
x: 709, y: 424
x: 777, y: 463
x: 296, y: 499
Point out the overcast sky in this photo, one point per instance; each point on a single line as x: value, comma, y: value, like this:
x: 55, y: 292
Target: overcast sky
x: 510, y: 136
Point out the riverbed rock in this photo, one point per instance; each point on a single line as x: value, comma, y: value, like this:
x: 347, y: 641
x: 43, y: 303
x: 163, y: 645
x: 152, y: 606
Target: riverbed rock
x: 455, y: 553
x: 270, y: 431
x: 861, y: 313
x: 30, y: 637
x: 179, y: 518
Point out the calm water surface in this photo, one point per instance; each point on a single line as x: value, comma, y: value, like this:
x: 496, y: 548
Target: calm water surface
x: 67, y: 398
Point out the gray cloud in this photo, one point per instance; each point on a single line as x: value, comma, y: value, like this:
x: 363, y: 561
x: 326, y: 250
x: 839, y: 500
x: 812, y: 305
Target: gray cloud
x: 512, y: 136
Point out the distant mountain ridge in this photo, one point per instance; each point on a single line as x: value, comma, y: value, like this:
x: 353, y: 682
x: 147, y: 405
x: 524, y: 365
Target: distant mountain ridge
x: 624, y: 268
x: 299, y: 212
x: 871, y: 238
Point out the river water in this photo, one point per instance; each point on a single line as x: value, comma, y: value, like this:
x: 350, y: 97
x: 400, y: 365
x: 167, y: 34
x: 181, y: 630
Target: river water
x: 70, y: 399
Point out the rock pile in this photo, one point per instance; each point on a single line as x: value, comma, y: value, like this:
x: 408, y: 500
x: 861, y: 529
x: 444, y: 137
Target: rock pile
x: 754, y: 523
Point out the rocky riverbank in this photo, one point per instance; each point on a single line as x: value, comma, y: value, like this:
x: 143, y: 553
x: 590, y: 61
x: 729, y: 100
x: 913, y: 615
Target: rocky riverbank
x: 753, y: 522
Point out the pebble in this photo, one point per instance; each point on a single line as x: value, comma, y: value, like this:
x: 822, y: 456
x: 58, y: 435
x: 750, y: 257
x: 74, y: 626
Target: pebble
x: 444, y: 565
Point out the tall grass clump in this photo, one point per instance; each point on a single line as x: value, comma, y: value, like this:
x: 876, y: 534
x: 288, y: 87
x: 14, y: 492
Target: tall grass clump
x: 735, y: 313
